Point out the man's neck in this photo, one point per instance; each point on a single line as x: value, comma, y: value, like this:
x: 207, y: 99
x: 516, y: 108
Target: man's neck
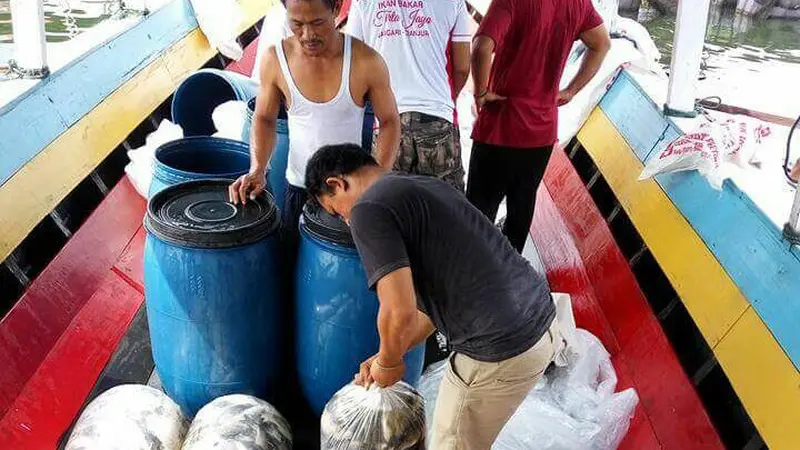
x: 368, y: 176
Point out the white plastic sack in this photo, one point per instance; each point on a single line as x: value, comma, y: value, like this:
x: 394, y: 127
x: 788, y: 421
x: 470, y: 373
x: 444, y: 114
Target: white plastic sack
x: 240, y: 422
x: 636, y: 51
x: 129, y: 417
x: 609, y: 11
x: 571, y: 408
x: 140, y: 169
x: 219, y: 19
x: 229, y: 119
x: 357, y: 418
x: 709, y: 149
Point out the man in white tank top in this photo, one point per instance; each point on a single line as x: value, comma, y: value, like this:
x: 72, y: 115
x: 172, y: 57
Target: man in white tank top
x: 426, y: 46
x: 324, y: 78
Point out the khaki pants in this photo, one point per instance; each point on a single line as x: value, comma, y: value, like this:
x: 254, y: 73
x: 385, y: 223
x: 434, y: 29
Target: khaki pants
x: 477, y: 398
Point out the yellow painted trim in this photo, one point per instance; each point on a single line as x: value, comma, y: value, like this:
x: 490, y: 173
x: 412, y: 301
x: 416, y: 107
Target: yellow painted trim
x: 709, y: 293
x: 761, y: 373
x: 40, y: 185
x: 765, y: 380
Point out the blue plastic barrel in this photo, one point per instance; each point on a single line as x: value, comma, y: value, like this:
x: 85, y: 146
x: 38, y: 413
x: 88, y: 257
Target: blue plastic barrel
x: 336, y: 311
x: 197, y: 158
x: 212, y: 293
x: 276, y: 177
x: 201, y: 92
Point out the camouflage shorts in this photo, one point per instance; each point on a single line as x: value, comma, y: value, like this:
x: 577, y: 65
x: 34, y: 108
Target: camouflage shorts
x: 430, y: 146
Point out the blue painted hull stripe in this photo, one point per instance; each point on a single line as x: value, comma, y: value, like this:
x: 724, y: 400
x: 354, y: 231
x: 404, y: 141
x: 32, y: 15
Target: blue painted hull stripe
x: 743, y: 239
x: 37, y: 118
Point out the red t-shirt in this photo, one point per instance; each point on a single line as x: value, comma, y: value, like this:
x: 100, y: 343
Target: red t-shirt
x: 532, y: 42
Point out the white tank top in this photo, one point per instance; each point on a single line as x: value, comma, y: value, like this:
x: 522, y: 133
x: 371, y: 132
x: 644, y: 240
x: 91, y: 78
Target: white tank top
x: 313, y: 125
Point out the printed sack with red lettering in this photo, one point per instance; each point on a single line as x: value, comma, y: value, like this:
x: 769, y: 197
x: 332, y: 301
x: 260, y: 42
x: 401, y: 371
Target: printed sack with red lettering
x: 697, y: 150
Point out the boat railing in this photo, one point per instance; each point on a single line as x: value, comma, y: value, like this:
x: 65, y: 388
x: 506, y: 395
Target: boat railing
x: 29, y: 60
x: 30, y: 52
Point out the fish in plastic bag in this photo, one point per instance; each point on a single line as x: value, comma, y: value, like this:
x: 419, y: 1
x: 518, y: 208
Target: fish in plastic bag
x: 129, y: 417
x: 358, y: 418
x: 240, y: 422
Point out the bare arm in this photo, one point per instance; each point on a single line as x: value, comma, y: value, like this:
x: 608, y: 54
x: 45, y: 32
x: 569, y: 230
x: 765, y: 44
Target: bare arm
x: 460, y: 68
x: 262, y: 135
x: 383, y: 103
x: 598, y: 44
x: 482, y: 50
x: 424, y: 329
x: 398, y: 317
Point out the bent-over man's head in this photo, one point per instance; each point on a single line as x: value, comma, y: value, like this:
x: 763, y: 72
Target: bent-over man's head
x: 337, y: 175
x: 313, y: 22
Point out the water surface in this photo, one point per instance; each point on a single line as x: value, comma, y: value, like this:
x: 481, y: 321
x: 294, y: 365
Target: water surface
x: 748, y: 62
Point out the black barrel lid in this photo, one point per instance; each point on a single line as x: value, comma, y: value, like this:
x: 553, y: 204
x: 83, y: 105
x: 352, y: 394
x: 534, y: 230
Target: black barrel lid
x: 197, y: 214
x: 325, y: 226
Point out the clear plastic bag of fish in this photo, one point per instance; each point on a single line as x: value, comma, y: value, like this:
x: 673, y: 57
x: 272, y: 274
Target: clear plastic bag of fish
x: 571, y: 408
x: 129, y: 417
x: 390, y: 418
x: 240, y: 422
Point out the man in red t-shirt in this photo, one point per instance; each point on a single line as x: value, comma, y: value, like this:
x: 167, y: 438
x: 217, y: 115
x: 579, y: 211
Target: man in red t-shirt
x: 518, y: 95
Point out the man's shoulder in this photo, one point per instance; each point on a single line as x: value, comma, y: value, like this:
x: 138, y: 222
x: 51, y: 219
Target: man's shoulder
x: 362, y: 50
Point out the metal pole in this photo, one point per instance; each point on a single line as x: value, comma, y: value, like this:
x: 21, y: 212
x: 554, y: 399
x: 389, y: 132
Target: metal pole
x: 30, y: 55
x: 792, y: 229
x: 690, y: 33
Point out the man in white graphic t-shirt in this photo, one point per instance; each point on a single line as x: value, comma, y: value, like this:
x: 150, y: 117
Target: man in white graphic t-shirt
x: 426, y: 45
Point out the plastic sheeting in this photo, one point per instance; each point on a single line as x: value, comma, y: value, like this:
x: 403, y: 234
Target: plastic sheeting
x: 571, y: 408
x: 631, y: 47
x: 238, y: 422
x: 357, y: 418
x: 140, y: 169
x: 274, y: 29
x: 129, y: 417
x: 218, y: 19
x: 230, y: 119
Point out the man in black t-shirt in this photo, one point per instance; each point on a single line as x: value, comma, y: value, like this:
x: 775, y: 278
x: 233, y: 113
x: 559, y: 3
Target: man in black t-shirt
x: 438, y: 263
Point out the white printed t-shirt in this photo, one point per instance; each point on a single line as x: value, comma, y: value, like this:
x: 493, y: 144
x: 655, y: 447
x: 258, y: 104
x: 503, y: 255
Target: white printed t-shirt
x: 414, y: 36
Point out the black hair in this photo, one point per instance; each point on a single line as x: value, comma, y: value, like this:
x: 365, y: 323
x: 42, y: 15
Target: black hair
x: 334, y: 161
x: 329, y: 3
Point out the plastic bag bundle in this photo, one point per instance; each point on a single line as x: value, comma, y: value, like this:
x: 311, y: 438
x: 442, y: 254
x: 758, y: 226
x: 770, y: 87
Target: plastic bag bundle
x: 140, y: 169
x: 129, y: 417
x: 571, y: 408
x: 230, y: 119
x: 218, y: 19
x: 379, y: 419
x: 239, y: 422
x: 709, y: 148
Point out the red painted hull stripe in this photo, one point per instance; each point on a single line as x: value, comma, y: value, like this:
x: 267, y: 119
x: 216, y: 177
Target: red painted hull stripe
x: 582, y: 259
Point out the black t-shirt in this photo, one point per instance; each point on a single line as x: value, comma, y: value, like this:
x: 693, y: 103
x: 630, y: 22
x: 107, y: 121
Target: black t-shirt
x: 486, y: 299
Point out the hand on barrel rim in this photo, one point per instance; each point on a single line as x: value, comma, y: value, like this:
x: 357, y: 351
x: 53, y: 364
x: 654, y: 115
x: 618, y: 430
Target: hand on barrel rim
x: 383, y: 375
x: 249, y: 185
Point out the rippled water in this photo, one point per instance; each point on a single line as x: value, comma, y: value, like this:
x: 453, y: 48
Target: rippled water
x: 64, y: 18
x: 747, y: 62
